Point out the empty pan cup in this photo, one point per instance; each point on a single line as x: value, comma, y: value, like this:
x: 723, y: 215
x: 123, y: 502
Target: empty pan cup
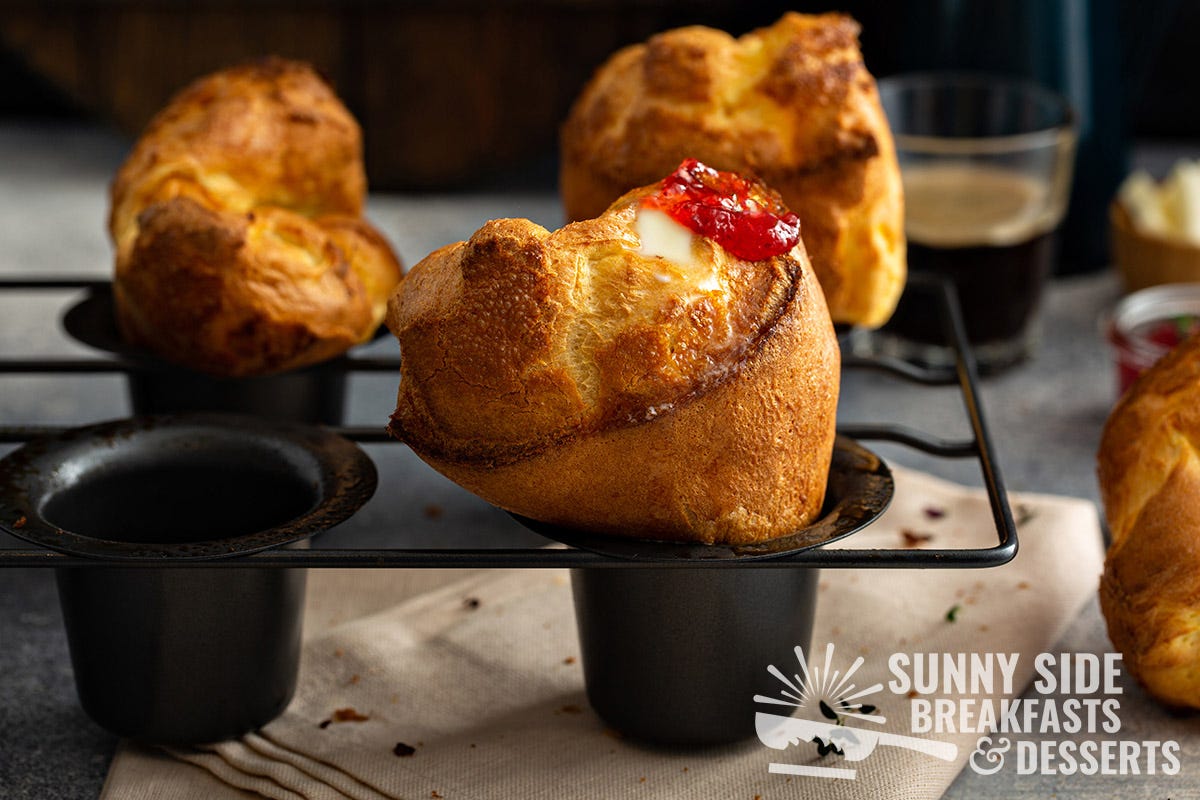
x: 674, y: 652
x: 314, y: 394
x: 175, y: 654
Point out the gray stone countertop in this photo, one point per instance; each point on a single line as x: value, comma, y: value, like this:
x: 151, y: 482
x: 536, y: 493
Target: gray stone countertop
x: 1045, y: 417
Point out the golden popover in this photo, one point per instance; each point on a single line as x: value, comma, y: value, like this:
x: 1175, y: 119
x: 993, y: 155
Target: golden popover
x: 792, y: 104
x: 241, y: 248
x: 627, y: 374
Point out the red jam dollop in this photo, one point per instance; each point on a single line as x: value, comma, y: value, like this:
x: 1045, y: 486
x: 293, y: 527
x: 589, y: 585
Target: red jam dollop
x: 740, y: 214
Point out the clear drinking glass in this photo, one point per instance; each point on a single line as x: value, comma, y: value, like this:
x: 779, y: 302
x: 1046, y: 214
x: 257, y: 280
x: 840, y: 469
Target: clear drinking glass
x: 986, y: 164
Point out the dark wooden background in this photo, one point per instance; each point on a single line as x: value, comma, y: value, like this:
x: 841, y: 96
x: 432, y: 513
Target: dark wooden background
x: 471, y: 93
x: 446, y: 92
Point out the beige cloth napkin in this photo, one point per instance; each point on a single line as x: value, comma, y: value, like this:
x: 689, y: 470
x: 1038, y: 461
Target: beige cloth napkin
x: 480, y: 676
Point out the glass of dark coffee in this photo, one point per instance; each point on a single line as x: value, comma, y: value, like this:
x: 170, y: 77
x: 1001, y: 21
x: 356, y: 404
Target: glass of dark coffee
x: 986, y: 164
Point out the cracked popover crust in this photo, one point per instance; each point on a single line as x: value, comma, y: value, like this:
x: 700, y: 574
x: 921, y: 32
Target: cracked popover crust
x: 792, y: 104
x: 237, y: 222
x: 576, y: 378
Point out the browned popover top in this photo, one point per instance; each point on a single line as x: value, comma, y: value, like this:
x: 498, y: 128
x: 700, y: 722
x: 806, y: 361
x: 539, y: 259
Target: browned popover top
x: 522, y: 337
x: 268, y: 132
x: 792, y: 104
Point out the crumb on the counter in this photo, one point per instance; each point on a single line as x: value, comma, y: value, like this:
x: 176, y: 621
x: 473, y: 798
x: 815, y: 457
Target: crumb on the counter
x: 401, y: 749
x: 934, y: 512
x: 434, y: 794
x: 338, y: 653
x: 570, y: 708
x: 912, y: 693
x: 1023, y: 585
x: 952, y: 614
x: 20, y: 522
x: 471, y: 603
x: 914, y: 538
x: 354, y: 679
x: 569, y: 660
x: 432, y: 511
x: 344, y: 715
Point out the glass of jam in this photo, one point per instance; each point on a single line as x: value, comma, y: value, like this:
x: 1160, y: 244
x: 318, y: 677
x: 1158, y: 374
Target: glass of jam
x: 986, y: 165
x: 1145, y: 325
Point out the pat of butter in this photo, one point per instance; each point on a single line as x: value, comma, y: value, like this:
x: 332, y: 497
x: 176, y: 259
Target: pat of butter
x: 1170, y: 208
x: 663, y: 237
x: 1186, y: 177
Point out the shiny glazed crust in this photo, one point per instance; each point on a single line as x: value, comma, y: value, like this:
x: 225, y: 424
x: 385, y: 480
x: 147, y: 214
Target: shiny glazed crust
x: 1149, y: 471
x: 240, y: 246
x: 792, y: 104
x: 567, y: 377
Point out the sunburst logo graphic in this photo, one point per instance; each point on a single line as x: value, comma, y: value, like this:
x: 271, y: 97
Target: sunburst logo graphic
x: 830, y: 688
x: 820, y: 689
